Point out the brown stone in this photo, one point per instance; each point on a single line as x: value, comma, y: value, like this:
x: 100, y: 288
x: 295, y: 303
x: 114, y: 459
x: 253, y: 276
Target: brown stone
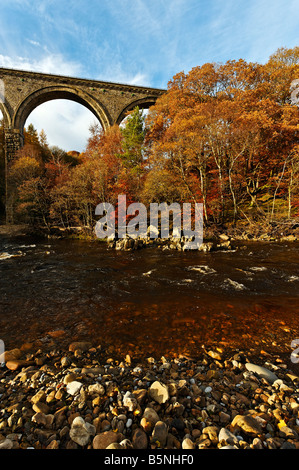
x: 82, y: 345
x: 211, y: 432
x: 15, y: 364
x: 104, y: 439
x: 140, y: 439
x: 56, y: 333
x: 11, y: 355
x: 140, y: 395
x: 160, y: 433
x: 53, y: 445
x: 39, y: 396
x: 248, y: 424
x: 40, y: 407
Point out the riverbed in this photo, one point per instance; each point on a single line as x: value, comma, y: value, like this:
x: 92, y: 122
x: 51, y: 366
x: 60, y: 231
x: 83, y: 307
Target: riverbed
x: 149, y: 302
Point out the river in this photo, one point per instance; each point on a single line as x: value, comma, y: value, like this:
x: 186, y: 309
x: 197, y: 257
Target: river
x: 148, y: 302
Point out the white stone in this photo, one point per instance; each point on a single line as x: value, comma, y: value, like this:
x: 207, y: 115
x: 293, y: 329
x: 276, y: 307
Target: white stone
x: 81, y: 431
x: 6, y: 444
x: 129, y: 423
x: 96, y: 388
x: 262, y: 372
x: 159, y: 392
x: 227, y: 436
x: 130, y: 401
x: 73, y: 387
x: 188, y: 444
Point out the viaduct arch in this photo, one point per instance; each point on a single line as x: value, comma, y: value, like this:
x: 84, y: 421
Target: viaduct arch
x: 21, y: 92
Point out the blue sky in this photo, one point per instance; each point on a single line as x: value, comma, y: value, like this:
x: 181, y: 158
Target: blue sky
x: 143, y: 42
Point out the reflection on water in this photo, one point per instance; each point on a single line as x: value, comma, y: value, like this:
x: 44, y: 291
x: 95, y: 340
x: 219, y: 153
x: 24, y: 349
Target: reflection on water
x: 148, y: 301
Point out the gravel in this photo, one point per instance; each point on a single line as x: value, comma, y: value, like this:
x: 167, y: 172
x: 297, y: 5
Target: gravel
x: 84, y: 397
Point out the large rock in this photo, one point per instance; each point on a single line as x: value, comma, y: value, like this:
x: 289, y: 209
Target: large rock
x: 73, y: 387
x: 81, y: 431
x: 188, y: 444
x: 104, y: 439
x: 227, y: 436
x: 288, y: 433
x: 6, y: 444
x: 140, y: 439
x: 40, y: 407
x: 159, y: 392
x: 248, y: 424
x: 43, y: 419
x: 261, y: 372
x: 97, y: 389
x: 212, y: 433
x: 10, y: 355
x: 151, y: 415
x: 160, y: 433
x: 39, y: 396
x: 130, y: 401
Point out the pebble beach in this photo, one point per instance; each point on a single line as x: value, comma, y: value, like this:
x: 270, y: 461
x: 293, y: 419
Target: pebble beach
x: 88, y: 397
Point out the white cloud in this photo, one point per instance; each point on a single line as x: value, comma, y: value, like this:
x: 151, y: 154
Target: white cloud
x: 34, y: 43
x: 66, y: 123
x: 50, y: 63
x: 117, y: 75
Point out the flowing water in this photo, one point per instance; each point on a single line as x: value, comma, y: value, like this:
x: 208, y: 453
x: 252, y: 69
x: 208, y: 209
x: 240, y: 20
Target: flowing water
x: 149, y: 301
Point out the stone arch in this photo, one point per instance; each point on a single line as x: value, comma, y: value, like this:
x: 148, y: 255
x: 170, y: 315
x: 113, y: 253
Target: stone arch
x: 144, y: 103
x: 43, y: 95
x: 5, y: 114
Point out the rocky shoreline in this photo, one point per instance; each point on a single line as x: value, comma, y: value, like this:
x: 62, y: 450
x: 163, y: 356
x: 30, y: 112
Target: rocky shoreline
x: 87, y: 397
x: 215, y: 238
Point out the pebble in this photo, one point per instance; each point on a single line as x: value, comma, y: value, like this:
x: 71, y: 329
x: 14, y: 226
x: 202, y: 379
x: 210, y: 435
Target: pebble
x: 104, y: 439
x: 262, y: 372
x: 188, y: 444
x: 73, y: 387
x: 6, y: 444
x: 140, y: 439
x: 81, y: 431
x: 69, y: 400
x: 227, y: 436
x: 159, y: 392
x: 129, y: 423
x: 130, y: 401
x: 159, y: 435
x: 247, y: 423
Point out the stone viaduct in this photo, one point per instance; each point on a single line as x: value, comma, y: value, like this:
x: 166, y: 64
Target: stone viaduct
x: 21, y: 92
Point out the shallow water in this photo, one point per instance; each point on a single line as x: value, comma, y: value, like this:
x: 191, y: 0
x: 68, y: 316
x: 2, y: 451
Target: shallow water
x: 150, y: 301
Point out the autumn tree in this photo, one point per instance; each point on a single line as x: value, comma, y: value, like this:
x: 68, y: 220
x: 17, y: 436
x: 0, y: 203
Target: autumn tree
x: 133, y: 150
x: 227, y: 132
x: 27, y: 175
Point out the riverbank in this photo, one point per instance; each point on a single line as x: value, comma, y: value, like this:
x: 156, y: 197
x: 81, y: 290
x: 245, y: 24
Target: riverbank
x: 89, y: 397
x: 245, y: 231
